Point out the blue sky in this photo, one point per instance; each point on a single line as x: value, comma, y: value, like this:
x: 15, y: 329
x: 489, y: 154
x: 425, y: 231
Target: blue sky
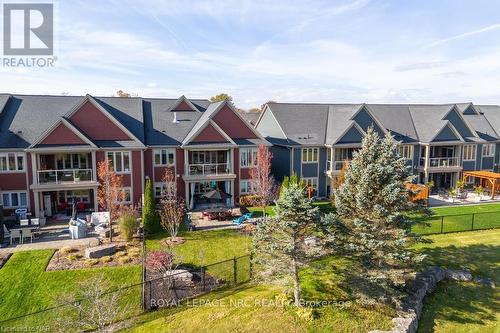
x: 387, y: 51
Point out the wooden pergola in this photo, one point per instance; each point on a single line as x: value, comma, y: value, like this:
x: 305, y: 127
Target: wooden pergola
x: 492, y: 177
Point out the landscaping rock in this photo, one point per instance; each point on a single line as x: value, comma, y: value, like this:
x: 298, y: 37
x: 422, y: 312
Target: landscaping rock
x: 424, y: 284
x: 100, y: 251
x: 181, y: 274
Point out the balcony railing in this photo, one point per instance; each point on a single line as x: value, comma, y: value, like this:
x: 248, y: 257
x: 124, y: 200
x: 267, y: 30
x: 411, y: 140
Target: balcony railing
x: 208, y: 169
x: 64, y: 176
x: 441, y: 162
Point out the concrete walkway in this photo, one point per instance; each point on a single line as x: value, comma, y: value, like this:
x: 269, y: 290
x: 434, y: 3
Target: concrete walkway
x: 48, y: 244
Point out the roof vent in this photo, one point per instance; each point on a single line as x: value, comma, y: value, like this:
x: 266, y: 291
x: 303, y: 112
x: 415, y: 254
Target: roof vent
x: 175, y: 121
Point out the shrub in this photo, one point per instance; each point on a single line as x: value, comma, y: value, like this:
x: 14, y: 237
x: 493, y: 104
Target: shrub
x: 124, y: 260
x: 121, y: 254
x: 106, y: 259
x: 128, y: 226
x: 66, y: 250
x: 305, y: 314
x: 91, y: 262
x: 150, y: 217
x: 134, y: 252
x: 248, y: 200
x: 74, y: 257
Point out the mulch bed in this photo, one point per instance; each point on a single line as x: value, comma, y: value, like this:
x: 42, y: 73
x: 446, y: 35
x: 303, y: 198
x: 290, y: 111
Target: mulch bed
x: 174, y: 242
x: 160, y: 292
x: 126, y: 254
x: 4, y: 258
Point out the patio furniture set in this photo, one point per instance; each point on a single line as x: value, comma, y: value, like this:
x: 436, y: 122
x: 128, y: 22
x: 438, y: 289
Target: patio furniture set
x: 28, y: 228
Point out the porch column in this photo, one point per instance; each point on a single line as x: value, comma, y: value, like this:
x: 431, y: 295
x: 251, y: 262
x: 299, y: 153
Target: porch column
x: 232, y: 193
x: 36, y: 196
x: 94, y: 167
x: 427, y: 162
x: 186, y: 193
x: 34, y: 168
x: 332, y: 160
x: 96, y: 205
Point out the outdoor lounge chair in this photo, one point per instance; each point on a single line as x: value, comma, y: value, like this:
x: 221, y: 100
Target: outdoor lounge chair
x: 248, y: 215
x: 15, y: 233
x: 6, y: 232
x: 239, y: 220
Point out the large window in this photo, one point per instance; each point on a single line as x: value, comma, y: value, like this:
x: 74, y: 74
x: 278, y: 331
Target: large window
x: 127, y: 195
x: 72, y: 161
x: 309, y: 155
x: 208, y: 157
x: 469, y: 153
x: 406, y: 151
x: 11, y: 162
x: 312, y: 182
x: 248, y: 157
x: 14, y: 199
x: 328, y: 158
x: 488, y: 150
x: 120, y: 160
x: 164, y: 188
x: 164, y: 156
x: 246, y: 187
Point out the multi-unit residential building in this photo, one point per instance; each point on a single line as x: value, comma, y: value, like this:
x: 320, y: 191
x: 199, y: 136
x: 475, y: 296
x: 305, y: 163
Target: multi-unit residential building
x: 314, y: 141
x: 50, y: 147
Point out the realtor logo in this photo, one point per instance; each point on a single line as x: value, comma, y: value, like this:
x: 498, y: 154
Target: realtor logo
x: 28, y: 29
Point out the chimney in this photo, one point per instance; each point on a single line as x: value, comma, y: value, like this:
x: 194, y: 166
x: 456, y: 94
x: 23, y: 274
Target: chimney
x: 175, y: 121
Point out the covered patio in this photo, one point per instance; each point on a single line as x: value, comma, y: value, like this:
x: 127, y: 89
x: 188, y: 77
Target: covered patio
x: 492, y: 179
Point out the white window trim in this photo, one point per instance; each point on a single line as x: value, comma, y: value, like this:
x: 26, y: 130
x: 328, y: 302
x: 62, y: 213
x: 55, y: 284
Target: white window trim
x: 249, y: 152
x: 492, y: 150
x: 18, y: 199
x: 122, y: 160
x: 312, y: 155
x: 410, y: 151
x: 168, y: 151
x: 16, y: 154
x: 249, y: 184
x: 464, y: 155
x: 163, y: 186
x: 127, y: 188
x: 306, y: 179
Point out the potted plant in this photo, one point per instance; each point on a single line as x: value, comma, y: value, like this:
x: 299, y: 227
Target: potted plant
x: 453, y: 194
x: 479, y: 192
x: 77, y: 176
x: 460, y: 186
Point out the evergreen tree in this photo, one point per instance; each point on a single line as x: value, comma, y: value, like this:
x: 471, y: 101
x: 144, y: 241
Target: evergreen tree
x: 372, y: 206
x: 150, y: 217
x: 286, y: 242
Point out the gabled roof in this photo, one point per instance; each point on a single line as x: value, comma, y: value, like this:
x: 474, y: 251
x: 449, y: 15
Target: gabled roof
x: 183, y: 100
x: 64, y: 122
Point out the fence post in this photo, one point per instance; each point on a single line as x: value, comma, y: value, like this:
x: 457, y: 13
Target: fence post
x: 472, y: 224
x: 149, y: 295
x: 235, y: 263
x: 203, y: 277
x: 442, y: 222
x: 250, y: 266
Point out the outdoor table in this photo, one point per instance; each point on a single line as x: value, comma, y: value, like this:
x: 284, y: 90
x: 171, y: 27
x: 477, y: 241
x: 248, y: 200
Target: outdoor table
x: 24, y: 227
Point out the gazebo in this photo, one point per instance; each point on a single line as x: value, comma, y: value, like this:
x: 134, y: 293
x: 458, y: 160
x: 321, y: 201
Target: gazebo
x: 492, y: 177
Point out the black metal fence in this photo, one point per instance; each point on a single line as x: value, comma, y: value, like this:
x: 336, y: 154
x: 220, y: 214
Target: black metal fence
x: 457, y: 223
x: 185, y: 283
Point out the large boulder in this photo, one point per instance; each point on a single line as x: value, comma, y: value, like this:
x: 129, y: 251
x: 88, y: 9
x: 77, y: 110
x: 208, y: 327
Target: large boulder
x: 100, y: 251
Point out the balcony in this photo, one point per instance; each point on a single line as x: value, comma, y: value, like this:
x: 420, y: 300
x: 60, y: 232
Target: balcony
x: 213, y: 169
x: 441, y: 162
x: 64, y: 176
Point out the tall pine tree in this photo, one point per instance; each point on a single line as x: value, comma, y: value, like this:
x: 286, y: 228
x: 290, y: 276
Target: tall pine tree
x: 285, y: 242
x: 150, y: 217
x: 372, y: 206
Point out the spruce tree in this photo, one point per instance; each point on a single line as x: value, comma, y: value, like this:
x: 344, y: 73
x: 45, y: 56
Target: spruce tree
x: 372, y: 206
x: 150, y: 217
x: 286, y: 242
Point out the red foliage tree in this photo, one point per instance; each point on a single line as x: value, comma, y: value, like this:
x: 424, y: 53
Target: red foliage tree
x: 263, y: 184
x: 173, y: 207
x: 109, y: 193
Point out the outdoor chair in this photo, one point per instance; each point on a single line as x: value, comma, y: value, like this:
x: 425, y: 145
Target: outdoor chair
x: 239, y: 220
x: 15, y: 233
x: 27, y: 233
x: 24, y: 222
x: 6, y: 232
x: 248, y: 215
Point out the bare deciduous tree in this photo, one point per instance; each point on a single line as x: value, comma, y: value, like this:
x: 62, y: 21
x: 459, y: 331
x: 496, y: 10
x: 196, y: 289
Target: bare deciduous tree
x: 262, y: 182
x: 173, y: 208
x: 110, y: 193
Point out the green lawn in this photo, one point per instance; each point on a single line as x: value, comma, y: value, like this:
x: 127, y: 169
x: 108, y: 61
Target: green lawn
x: 459, y: 306
x: 26, y: 287
x: 324, y: 207
x: 460, y: 218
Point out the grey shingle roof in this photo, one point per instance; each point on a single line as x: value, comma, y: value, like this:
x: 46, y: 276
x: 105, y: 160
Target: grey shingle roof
x: 407, y: 122
x: 492, y: 116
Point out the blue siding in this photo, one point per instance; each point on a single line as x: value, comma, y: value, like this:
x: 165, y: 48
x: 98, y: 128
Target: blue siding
x: 281, y: 162
x: 351, y: 136
x: 497, y: 157
x: 296, y: 161
x: 479, y: 154
x: 416, y: 155
x: 487, y: 163
x: 468, y: 165
x: 309, y: 170
x: 446, y: 134
x: 322, y: 177
x: 458, y: 123
x: 364, y: 120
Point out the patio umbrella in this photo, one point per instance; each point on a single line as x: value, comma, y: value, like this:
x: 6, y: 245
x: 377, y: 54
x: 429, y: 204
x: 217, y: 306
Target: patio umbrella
x: 215, y: 195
